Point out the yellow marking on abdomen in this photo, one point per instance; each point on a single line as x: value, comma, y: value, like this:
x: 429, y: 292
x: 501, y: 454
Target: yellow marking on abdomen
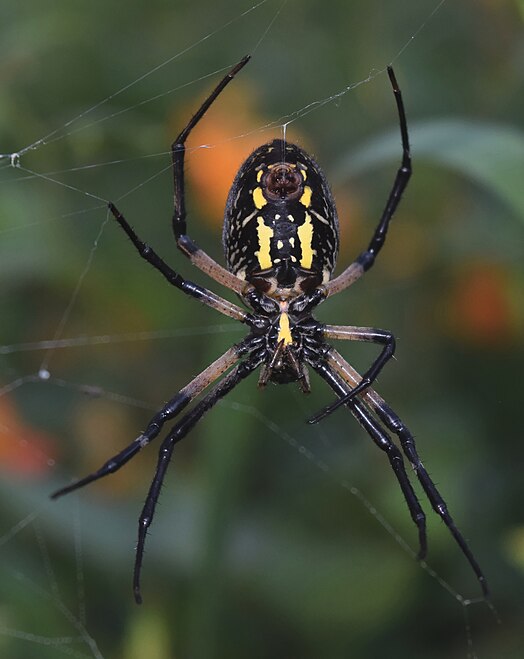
x: 265, y: 234
x: 305, y: 199
x: 284, y: 331
x: 305, y: 235
x: 258, y: 198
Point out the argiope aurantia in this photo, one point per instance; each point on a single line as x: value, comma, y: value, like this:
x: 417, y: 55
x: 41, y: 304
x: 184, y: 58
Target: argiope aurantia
x: 281, y: 240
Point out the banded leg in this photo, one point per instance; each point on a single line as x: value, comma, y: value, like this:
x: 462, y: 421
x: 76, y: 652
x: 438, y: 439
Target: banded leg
x: 169, y: 411
x: 188, y: 287
x: 179, y: 431
x: 359, y: 334
x: 367, y: 258
x: 178, y: 149
x: 392, y: 421
x: 385, y: 443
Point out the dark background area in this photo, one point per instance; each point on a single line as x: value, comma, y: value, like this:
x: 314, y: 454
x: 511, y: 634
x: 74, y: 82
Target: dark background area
x: 258, y: 548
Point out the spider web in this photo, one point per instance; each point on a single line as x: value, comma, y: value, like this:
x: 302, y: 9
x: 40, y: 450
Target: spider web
x: 38, y: 372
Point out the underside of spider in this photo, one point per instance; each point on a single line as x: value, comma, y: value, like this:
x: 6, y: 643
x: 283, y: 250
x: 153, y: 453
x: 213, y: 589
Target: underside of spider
x: 281, y: 241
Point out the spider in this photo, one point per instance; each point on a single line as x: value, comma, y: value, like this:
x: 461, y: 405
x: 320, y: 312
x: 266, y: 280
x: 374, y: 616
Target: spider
x: 281, y: 239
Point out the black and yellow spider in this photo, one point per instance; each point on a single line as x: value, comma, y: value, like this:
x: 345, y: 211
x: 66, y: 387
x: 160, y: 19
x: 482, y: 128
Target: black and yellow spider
x: 281, y: 240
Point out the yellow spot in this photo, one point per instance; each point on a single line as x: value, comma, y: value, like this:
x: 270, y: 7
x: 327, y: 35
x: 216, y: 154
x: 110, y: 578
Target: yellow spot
x: 260, y: 174
x: 305, y: 236
x: 280, y: 244
x: 305, y: 199
x: 258, y: 198
x: 284, y: 331
x: 265, y: 234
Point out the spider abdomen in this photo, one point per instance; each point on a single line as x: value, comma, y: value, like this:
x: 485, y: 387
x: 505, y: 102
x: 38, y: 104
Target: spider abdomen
x: 280, y: 221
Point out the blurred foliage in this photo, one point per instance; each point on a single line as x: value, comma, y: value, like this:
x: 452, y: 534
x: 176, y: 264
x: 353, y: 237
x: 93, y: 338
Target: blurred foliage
x: 256, y: 551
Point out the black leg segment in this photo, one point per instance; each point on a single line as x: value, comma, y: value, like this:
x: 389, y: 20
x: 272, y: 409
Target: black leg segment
x: 385, y: 443
x: 179, y: 431
x: 373, y: 335
x: 393, y: 423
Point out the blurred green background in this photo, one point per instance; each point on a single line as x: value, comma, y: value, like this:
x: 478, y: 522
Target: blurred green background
x: 258, y: 548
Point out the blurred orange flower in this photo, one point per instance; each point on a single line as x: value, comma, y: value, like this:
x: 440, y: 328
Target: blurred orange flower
x: 23, y: 450
x: 227, y: 134
x: 480, y: 308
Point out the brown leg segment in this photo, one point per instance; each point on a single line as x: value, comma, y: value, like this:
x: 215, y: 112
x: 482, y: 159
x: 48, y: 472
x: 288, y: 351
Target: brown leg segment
x: 194, y: 290
x: 169, y: 411
x: 372, y: 335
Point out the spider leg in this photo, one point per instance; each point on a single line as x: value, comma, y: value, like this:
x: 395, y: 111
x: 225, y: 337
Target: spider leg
x: 392, y: 421
x: 359, y: 334
x: 367, y: 258
x: 178, y: 149
x: 194, y: 290
x: 385, y: 443
x: 179, y: 431
x: 169, y: 411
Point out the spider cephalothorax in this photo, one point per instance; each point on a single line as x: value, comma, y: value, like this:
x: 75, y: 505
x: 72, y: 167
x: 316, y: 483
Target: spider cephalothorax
x: 281, y: 240
x: 289, y: 332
